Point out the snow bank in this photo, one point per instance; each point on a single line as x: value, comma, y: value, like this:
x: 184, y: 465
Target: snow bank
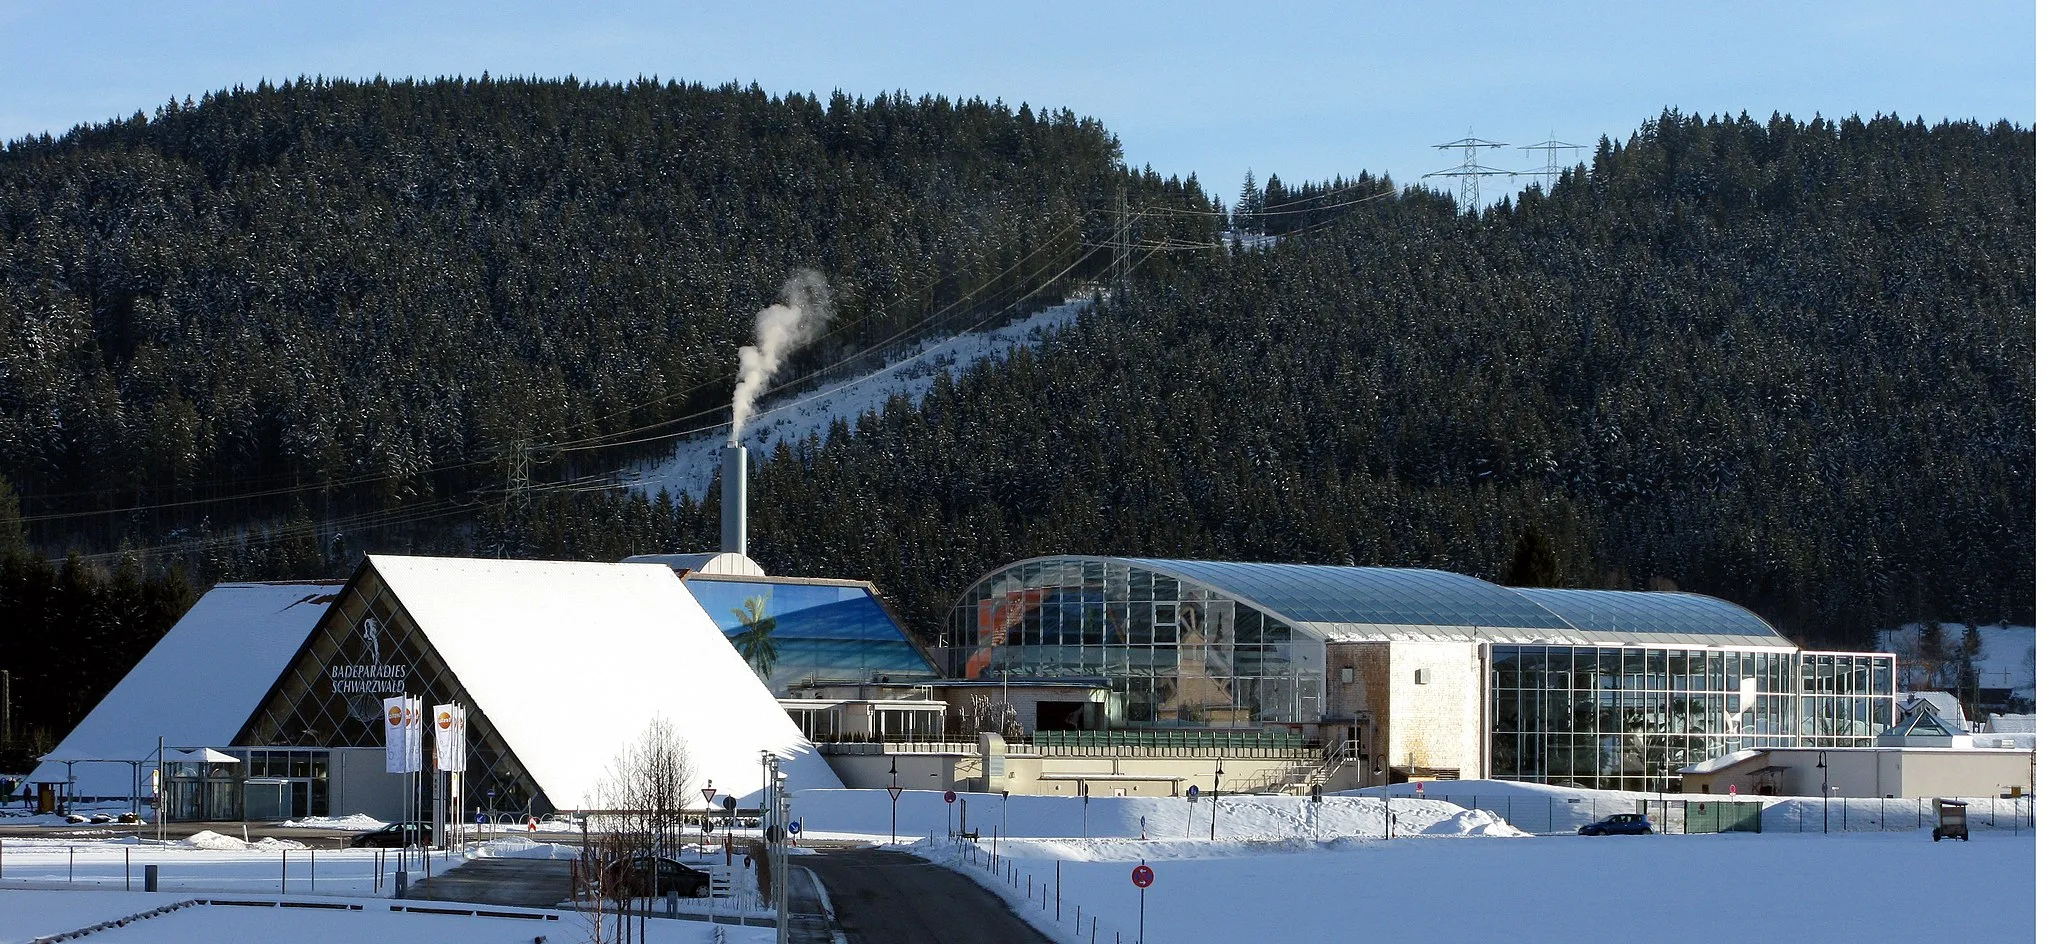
x: 520, y: 848
x: 358, y: 822
x: 215, y: 842
x: 1471, y: 823
x: 921, y: 813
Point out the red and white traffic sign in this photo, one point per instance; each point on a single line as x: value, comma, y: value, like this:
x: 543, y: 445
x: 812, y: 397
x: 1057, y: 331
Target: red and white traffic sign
x: 950, y: 797
x: 895, y: 791
x: 1142, y: 876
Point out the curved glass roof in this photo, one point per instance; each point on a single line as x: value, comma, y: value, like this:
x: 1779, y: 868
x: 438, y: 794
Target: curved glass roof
x: 1658, y: 615
x: 1316, y: 593
x: 1385, y: 602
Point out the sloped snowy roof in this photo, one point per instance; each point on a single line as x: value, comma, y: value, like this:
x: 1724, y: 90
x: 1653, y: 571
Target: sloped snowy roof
x: 572, y: 660
x: 197, y: 685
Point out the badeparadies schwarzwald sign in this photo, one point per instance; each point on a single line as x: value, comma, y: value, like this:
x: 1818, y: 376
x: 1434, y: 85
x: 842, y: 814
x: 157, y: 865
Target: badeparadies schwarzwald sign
x: 370, y: 674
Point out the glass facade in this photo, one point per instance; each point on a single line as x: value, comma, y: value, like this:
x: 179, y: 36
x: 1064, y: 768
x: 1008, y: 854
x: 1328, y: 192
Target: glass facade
x: 1173, y: 653
x: 1845, y: 698
x: 1629, y: 718
x: 818, y: 632
x: 365, y: 649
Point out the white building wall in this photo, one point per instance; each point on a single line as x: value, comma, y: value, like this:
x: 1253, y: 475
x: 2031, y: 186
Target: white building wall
x: 1435, y: 695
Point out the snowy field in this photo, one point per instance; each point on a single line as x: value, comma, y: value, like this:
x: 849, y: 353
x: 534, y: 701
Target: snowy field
x: 53, y: 886
x: 1324, y: 873
x: 794, y: 419
x: 1670, y: 889
x: 27, y: 915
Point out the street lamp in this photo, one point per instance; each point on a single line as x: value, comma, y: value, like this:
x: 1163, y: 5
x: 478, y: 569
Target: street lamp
x: 1215, y: 797
x: 895, y: 791
x: 1823, y: 792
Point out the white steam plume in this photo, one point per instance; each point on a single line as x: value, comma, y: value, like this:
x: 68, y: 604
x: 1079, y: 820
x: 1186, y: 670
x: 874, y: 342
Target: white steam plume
x: 779, y: 329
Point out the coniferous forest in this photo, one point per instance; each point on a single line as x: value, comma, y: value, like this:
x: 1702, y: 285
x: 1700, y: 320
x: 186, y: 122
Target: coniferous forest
x: 1786, y: 362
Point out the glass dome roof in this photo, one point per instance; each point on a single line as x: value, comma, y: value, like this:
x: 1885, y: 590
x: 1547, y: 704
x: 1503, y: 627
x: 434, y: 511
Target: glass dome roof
x: 1384, y: 602
x: 1659, y: 615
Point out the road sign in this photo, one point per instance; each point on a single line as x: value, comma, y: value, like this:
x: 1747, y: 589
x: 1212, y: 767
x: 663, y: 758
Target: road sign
x: 732, y: 803
x: 895, y: 791
x: 796, y: 827
x: 1142, y: 876
x: 1194, y: 793
x: 950, y: 797
x: 1418, y: 788
x: 482, y: 819
x: 709, y: 793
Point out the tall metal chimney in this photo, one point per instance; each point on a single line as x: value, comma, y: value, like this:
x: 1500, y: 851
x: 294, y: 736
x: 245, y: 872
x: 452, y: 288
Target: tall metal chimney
x: 732, y: 533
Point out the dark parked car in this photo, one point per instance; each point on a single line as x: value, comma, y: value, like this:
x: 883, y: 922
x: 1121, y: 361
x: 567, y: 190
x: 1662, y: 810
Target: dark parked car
x: 655, y: 876
x: 394, y: 836
x: 1620, y: 824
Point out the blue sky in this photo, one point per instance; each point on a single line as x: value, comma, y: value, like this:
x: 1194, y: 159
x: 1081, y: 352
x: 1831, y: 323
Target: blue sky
x: 1307, y: 90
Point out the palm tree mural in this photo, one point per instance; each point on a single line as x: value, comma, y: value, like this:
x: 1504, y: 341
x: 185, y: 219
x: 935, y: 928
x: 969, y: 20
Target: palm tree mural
x: 756, y: 640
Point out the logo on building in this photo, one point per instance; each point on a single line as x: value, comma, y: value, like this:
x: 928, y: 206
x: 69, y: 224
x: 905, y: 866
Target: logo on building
x: 368, y: 679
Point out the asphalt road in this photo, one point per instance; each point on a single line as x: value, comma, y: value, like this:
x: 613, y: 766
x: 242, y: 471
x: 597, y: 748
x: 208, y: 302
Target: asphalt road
x: 534, y: 883
x: 894, y: 898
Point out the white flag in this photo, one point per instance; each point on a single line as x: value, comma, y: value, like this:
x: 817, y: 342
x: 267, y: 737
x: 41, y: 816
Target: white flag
x: 451, y: 732
x: 414, y: 723
x: 394, y: 735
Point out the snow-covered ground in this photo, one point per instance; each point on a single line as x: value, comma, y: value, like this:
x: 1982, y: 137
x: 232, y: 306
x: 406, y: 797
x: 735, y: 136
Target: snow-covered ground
x: 1323, y: 872
x: 795, y: 419
x: 27, y: 915
x: 2007, y: 660
x: 1672, y: 889
x: 52, y: 886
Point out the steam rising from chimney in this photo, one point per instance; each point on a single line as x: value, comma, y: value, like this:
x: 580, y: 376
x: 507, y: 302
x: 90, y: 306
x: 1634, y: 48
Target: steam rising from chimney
x: 779, y: 329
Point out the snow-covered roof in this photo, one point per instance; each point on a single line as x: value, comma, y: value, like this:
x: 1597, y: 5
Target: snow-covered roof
x: 2013, y: 724
x: 197, y: 685
x: 1942, y: 703
x: 1723, y: 762
x: 570, y: 661
x: 714, y: 562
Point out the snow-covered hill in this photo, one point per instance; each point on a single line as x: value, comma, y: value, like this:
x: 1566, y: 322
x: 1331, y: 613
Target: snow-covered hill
x: 690, y: 469
x: 2007, y: 659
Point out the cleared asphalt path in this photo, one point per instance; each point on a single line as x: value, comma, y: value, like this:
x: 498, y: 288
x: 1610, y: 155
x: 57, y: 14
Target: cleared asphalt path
x: 894, y: 898
x: 534, y: 883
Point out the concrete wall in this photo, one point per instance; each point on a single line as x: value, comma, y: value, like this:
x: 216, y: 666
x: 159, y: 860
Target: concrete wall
x: 1435, y: 704
x: 357, y: 783
x: 1875, y: 772
x: 1426, y: 699
x: 1028, y: 774
x: 1966, y: 773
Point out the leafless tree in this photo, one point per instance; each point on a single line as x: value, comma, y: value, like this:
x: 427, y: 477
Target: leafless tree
x: 642, y: 809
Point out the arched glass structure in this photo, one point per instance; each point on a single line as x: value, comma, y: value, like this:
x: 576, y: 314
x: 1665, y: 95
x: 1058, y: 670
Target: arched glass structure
x: 1614, y: 688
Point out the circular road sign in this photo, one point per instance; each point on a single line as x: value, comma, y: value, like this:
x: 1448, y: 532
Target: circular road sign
x: 731, y: 804
x: 1194, y: 793
x: 796, y: 827
x: 1142, y: 876
x: 950, y: 797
